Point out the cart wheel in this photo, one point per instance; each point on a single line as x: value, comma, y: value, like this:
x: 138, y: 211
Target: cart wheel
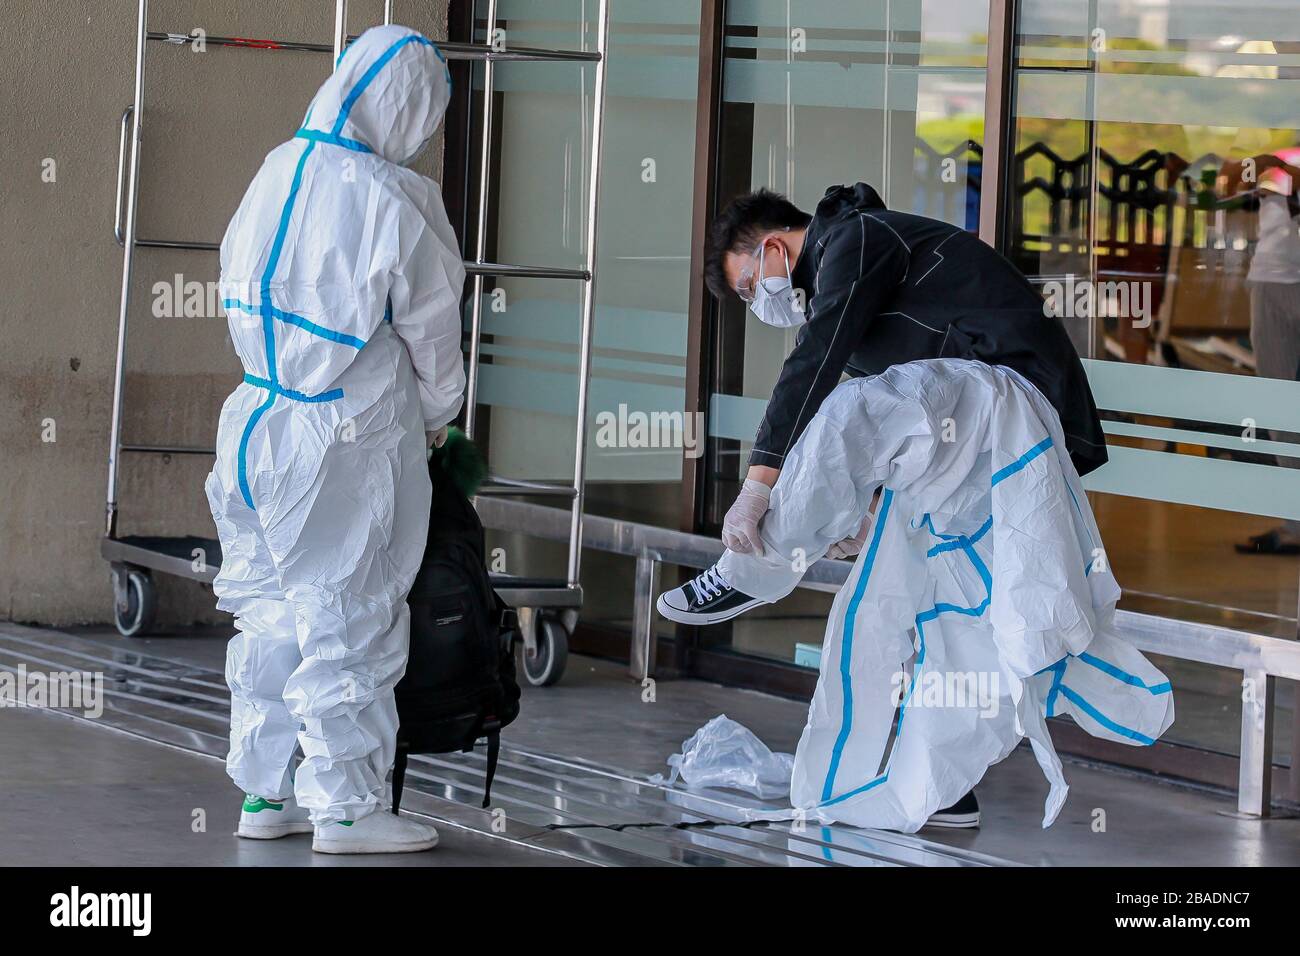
x: 546, y: 667
x: 141, y: 604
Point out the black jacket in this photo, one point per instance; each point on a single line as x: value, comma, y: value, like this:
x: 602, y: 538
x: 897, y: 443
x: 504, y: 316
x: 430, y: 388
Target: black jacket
x: 885, y: 287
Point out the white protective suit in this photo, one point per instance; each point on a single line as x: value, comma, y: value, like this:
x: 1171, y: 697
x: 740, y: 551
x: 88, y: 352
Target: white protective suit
x: 984, y: 569
x: 342, y: 282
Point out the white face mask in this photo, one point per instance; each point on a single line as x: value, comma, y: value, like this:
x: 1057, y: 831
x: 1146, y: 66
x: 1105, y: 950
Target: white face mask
x: 776, y: 303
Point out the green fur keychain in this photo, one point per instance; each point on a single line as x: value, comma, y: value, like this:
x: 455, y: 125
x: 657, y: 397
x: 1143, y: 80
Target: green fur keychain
x: 461, y: 461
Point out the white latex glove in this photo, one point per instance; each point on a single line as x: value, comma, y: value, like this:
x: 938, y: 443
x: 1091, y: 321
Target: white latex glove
x: 740, y: 526
x: 850, y: 547
x: 436, y: 439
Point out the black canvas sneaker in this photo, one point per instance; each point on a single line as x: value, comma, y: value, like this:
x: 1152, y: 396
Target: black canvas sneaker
x: 704, y: 599
x: 962, y: 815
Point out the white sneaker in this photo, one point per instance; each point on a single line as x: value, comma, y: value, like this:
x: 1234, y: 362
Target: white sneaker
x: 262, y: 819
x: 377, y: 832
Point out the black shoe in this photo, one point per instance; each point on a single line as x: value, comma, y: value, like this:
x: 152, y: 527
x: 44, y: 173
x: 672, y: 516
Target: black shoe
x: 704, y: 599
x: 962, y: 815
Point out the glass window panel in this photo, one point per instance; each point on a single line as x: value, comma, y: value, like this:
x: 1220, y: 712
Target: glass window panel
x: 529, y: 383
x: 1153, y: 190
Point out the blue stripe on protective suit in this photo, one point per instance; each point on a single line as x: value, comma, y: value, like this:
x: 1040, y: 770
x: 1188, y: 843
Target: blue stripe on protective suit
x: 1058, y: 669
x: 426, y: 42
x: 921, y: 619
x: 1121, y: 675
x: 243, y: 449
x: 952, y: 542
x: 1099, y: 717
x: 846, y: 651
x: 331, y: 395
x: 267, y: 312
x: 1019, y: 463
x: 274, y: 389
x: 321, y: 137
x: 290, y: 318
x: 368, y: 77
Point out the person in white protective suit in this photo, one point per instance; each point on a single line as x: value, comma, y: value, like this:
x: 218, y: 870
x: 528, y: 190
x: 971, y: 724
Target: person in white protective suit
x: 342, y: 282
x: 980, y: 604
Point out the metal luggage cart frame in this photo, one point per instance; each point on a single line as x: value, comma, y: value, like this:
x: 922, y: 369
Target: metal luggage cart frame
x: 548, y: 608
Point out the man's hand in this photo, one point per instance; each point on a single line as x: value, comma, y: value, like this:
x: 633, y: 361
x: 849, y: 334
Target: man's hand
x: 740, y: 527
x: 851, y: 547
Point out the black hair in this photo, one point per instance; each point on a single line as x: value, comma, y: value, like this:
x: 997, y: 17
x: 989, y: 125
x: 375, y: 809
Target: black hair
x: 738, y: 228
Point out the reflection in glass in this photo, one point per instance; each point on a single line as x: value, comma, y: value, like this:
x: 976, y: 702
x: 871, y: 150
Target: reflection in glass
x: 541, y: 149
x: 1153, y: 188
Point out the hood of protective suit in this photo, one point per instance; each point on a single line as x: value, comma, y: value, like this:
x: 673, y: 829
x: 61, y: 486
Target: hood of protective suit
x: 839, y: 199
x: 388, y: 93
x: 836, y: 204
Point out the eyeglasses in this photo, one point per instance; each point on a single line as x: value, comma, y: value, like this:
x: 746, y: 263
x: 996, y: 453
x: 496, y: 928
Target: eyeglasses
x: 745, y: 288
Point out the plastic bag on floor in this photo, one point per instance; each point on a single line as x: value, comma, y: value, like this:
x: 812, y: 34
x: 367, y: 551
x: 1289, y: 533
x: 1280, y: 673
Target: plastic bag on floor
x: 724, y: 753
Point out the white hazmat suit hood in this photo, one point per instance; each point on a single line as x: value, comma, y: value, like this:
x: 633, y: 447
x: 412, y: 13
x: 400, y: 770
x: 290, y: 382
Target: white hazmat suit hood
x: 403, y: 105
x: 341, y: 279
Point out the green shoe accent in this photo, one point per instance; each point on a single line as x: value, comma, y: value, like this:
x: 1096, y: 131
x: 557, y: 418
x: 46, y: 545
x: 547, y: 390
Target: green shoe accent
x: 346, y: 823
x: 255, y: 804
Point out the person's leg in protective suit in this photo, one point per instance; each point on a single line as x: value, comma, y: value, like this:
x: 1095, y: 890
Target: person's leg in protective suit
x: 259, y: 659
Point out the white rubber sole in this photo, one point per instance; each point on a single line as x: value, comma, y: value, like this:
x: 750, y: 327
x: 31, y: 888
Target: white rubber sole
x: 963, y: 821
x: 273, y: 833
x: 671, y: 613
x: 344, y: 847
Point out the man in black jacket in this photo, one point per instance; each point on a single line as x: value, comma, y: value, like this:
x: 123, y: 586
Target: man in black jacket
x: 873, y: 288
x: 869, y: 288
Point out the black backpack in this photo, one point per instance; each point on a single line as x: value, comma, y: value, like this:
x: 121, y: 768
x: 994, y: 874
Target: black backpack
x: 460, y: 682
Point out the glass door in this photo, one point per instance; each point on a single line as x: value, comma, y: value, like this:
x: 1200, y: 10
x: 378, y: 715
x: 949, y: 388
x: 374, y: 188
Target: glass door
x: 817, y: 93
x: 1152, y: 195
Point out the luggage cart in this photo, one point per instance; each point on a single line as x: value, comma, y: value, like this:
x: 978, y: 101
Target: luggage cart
x: 548, y: 607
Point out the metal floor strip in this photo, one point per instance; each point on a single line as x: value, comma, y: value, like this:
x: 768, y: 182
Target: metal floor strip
x: 125, y: 657
x: 563, y: 804
x: 719, y: 806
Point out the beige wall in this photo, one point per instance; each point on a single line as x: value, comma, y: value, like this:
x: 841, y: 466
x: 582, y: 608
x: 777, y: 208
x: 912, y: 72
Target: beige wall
x: 66, y: 74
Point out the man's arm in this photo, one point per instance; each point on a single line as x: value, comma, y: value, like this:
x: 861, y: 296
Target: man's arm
x: 813, y: 507
x: 862, y: 264
x: 425, y: 297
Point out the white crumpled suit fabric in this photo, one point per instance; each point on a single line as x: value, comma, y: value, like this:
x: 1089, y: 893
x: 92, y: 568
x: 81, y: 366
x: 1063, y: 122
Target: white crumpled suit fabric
x: 982, y: 602
x: 341, y: 280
